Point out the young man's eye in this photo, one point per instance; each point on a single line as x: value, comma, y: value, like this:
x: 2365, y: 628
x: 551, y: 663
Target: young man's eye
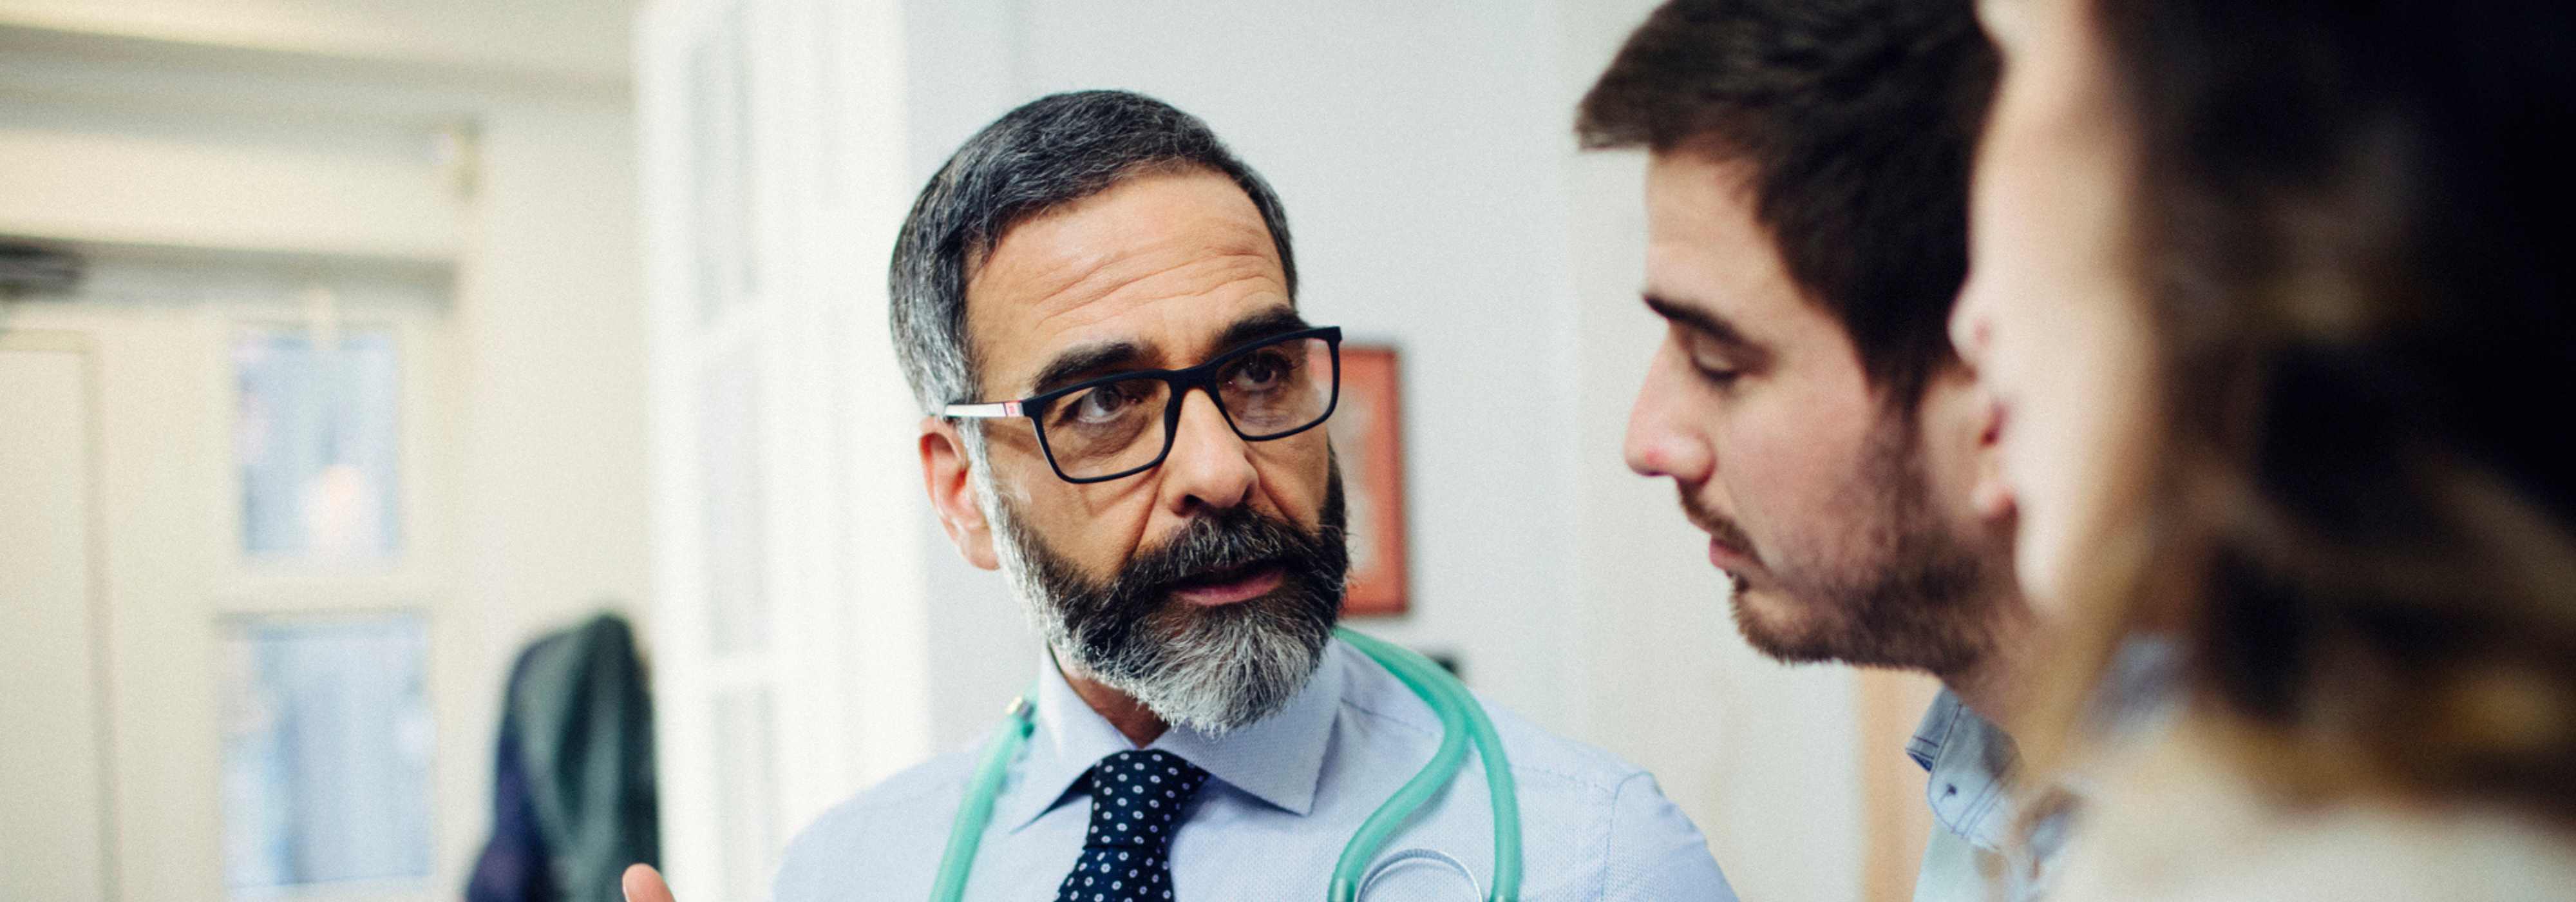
x: 1712, y: 365
x: 1716, y: 374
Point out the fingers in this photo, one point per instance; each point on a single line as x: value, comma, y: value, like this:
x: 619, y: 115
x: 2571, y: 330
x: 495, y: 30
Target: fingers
x: 644, y: 884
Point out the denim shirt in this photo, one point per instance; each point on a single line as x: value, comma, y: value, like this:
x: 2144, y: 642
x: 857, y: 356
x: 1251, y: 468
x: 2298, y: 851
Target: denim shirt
x: 1972, y: 766
x: 1974, y: 772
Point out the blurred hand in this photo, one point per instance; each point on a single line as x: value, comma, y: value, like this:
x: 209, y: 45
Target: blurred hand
x: 644, y: 884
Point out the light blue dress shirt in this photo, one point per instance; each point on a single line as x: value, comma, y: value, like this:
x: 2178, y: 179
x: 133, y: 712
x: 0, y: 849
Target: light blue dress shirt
x: 1286, y: 795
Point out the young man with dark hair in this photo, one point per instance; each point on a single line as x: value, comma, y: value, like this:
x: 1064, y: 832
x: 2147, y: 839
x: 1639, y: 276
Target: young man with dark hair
x: 1806, y: 198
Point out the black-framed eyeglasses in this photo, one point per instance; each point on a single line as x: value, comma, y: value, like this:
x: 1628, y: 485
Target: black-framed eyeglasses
x: 1122, y: 425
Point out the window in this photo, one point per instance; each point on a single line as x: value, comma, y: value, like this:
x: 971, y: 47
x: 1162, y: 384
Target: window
x: 315, y: 429
x: 327, y: 739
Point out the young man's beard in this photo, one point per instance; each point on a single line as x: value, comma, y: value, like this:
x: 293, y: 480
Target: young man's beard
x: 1913, y: 593
x: 1212, y: 669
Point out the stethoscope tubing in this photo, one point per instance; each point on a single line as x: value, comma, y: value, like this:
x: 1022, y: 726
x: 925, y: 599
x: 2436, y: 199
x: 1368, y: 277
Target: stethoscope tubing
x: 1443, y: 766
x: 967, y: 831
x: 1457, y: 708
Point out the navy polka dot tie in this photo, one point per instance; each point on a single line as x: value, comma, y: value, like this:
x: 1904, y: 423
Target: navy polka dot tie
x: 1136, y: 801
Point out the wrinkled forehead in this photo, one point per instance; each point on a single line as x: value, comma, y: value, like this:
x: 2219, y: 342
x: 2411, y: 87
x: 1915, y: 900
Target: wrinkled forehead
x: 981, y: 242
x: 1163, y: 264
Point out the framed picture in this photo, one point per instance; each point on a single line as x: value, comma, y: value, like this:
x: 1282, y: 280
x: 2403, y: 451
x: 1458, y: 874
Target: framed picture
x: 1368, y: 435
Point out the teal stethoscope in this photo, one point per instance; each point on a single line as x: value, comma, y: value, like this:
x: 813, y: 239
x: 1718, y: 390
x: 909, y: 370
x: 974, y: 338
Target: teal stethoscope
x: 1461, y: 718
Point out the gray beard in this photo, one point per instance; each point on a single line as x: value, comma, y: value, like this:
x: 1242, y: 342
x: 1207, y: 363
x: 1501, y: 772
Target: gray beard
x: 1210, y: 669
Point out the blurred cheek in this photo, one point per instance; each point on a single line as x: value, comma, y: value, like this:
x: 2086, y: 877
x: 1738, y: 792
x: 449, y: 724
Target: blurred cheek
x: 1998, y: 311
x: 2049, y: 319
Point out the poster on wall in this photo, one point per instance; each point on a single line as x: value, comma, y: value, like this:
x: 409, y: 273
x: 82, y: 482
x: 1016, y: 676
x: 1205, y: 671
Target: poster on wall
x: 1368, y: 435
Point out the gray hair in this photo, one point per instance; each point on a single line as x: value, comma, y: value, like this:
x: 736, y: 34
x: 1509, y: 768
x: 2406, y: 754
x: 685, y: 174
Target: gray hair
x: 1050, y: 152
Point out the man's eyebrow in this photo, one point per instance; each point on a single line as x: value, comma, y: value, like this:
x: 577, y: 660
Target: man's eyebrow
x: 1714, y: 327
x: 1074, y: 364
x: 1274, y: 321
x: 1084, y: 361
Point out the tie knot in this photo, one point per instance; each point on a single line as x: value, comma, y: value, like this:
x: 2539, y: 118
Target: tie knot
x: 1136, y: 797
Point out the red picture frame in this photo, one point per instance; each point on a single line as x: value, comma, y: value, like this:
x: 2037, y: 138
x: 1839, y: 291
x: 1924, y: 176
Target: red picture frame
x: 1368, y: 436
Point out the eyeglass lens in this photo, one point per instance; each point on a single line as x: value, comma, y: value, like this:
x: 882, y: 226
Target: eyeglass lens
x: 1118, y: 426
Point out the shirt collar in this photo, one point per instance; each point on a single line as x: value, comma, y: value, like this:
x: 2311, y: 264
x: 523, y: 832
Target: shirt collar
x: 1278, y: 759
x: 1972, y: 764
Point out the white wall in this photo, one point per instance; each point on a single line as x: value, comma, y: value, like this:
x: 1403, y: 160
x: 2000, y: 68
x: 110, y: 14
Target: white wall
x: 551, y: 501
x: 551, y: 487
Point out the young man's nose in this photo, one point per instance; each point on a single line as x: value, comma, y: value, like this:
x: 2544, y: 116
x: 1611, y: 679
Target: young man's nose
x: 1662, y: 438
x: 1210, y: 467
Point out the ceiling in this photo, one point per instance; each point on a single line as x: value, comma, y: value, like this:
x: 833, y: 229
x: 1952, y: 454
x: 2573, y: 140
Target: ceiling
x: 576, y: 43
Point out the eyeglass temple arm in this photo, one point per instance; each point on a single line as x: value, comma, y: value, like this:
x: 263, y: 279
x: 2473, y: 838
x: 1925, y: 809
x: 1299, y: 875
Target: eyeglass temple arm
x: 982, y: 411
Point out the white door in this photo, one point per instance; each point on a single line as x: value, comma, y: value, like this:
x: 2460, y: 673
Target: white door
x: 53, y: 776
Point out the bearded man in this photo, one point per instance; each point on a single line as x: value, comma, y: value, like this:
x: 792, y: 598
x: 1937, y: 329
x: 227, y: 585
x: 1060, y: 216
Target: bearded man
x: 1807, y: 234
x: 1095, y: 302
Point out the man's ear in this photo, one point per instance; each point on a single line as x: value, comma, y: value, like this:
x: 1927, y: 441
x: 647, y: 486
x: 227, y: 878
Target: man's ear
x: 1988, y: 494
x: 1961, y: 432
x: 1991, y: 496
x: 952, y: 492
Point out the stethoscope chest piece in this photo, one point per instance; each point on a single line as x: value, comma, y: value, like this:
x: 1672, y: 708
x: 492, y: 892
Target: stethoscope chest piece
x: 1420, y: 874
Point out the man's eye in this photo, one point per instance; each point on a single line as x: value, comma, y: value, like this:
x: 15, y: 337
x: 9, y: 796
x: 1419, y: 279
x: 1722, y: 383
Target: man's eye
x: 1101, y: 404
x: 1260, y: 371
x: 1712, y: 365
x: 1716, y: 374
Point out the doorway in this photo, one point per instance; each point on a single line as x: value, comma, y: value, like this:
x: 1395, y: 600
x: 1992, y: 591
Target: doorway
x: 225, y: 577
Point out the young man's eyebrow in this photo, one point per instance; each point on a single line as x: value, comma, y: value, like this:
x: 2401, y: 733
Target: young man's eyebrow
x: 1695, y: 318
x: 1713, y: 327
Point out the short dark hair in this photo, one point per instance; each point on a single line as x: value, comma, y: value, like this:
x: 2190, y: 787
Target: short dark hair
x: 1859, y: 118
x: 1050, y: 152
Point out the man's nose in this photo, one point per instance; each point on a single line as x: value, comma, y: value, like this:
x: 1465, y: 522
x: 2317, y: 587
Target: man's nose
x: 1210, y: 467
x: 1662, y: 438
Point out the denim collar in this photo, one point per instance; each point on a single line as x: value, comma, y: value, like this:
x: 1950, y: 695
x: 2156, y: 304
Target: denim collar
x: 1972, y: 764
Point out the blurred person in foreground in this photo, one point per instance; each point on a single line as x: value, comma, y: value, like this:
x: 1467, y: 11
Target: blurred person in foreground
x: 1095, y: 301
x: 1806, y: 195
x: 2276, y: 302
